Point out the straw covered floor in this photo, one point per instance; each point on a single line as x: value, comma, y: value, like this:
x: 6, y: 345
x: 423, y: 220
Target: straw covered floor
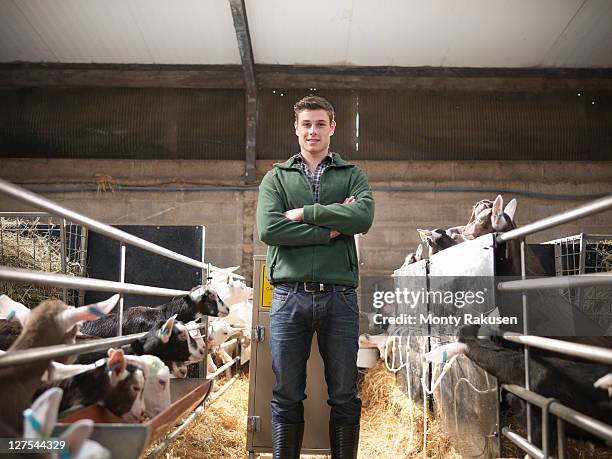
x: 220, y: 431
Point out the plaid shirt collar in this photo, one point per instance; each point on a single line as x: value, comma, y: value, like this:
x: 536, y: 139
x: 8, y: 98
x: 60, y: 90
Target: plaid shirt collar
x: 314, y: 177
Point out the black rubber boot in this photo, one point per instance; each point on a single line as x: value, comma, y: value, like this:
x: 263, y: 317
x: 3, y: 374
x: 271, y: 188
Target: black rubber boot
x: 344, y: 441
x: 286, y: 440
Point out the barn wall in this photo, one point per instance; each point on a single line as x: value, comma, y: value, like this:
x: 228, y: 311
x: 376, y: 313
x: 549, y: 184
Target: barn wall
x: 229, y: 215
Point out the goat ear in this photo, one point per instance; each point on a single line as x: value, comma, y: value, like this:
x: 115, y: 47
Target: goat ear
x: 59, y: 371
x: 424, y: 234
x: 510, y: 208
x: 497, y: 209
x: 39, y: 420
x: 183, y: 332
x: 165, y: 331
x: 498, y: 204
x: 72, y: 316
x: 197, y: 293
x: 12, y: 310
x: 76, y: 435
x: 116, y: 364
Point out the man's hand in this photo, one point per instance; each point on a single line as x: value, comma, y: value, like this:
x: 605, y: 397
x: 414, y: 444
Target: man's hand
x: 297, y: 215
x: 349, y: 200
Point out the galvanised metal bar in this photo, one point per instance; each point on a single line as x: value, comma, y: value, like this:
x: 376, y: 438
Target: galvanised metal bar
x: 585, y: 351
x: 224, y: 367
x: 21, y: 194
x: 62, y: 280
x: 591, y: 425
x: 203, y: 367
x: 63, y: 254
x: 526, y: 348
x: 545, y: 412
x: 122, y: 280
x: 585, y: 210
x: 63, y: 350
x: 560, y: 438
x: 523, y: 443
x: 561, y: 282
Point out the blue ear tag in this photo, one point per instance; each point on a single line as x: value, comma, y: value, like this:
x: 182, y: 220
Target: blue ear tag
x: 113, y: 367
x: 96, y: 311
x: 444, y: 357
x: 65, y: 454
x: 163, y: 331
x: 10, y: 316
x: 29, y: 416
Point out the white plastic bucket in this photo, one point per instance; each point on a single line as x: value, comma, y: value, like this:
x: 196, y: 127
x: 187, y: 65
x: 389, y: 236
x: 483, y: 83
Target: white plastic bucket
x: 367, y: 357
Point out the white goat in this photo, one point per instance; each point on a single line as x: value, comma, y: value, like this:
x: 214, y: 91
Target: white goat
x: 157, y: 382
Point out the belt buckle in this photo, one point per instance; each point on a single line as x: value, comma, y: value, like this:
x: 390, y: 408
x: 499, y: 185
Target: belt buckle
x: 321, y: 287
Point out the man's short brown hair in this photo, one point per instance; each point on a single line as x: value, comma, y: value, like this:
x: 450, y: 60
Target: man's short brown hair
x: 314, y: 103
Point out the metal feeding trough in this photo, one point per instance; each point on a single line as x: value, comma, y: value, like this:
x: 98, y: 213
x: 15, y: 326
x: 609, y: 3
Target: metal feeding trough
x: 129, y: 440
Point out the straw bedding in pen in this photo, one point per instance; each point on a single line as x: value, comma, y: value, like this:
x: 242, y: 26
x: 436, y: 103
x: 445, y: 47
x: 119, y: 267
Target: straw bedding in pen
x: 220, y: 432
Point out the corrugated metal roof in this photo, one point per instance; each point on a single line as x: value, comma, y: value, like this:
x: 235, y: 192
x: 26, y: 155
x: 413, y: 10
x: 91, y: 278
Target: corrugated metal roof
x: 118, y: 31
x: 405, y: 33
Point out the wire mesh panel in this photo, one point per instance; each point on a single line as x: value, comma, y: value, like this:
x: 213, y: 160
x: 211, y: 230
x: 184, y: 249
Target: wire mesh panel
x: 41, y: 243
x: 124, y: 123
x: 584, y: 254
x: 459, y: 125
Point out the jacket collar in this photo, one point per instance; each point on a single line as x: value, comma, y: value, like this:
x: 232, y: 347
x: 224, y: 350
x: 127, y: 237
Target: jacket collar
x: 337, y: 161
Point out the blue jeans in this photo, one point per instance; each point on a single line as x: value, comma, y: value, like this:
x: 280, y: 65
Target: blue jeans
x: 294, y: 317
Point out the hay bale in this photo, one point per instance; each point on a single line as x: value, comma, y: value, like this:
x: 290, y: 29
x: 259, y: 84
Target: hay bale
x: 22, y: 245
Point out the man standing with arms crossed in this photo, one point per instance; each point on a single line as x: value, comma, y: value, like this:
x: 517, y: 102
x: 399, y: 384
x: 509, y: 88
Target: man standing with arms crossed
x: 308, y: 210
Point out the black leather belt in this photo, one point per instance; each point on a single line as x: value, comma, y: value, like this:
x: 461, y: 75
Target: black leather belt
x: 312, y: 287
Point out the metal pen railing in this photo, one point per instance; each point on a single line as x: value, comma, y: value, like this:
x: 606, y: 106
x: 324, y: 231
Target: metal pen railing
x: 562, y: 412
x: 590, y: 208
x: 550, y: 283
x: 66, y: 350
x: 61, y: 280
x: 99, y: 285
x: 23, y: 195
x: 584, y: 351
x: 580, y: 350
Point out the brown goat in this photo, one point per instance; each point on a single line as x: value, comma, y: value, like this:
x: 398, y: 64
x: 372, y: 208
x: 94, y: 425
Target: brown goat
x: 51, y: 323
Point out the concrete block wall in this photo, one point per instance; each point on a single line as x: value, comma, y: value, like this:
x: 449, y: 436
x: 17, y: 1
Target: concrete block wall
x: 229, y: 215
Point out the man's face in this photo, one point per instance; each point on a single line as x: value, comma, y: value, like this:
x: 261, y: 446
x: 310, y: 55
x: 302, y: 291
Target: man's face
x: 314, y: 129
